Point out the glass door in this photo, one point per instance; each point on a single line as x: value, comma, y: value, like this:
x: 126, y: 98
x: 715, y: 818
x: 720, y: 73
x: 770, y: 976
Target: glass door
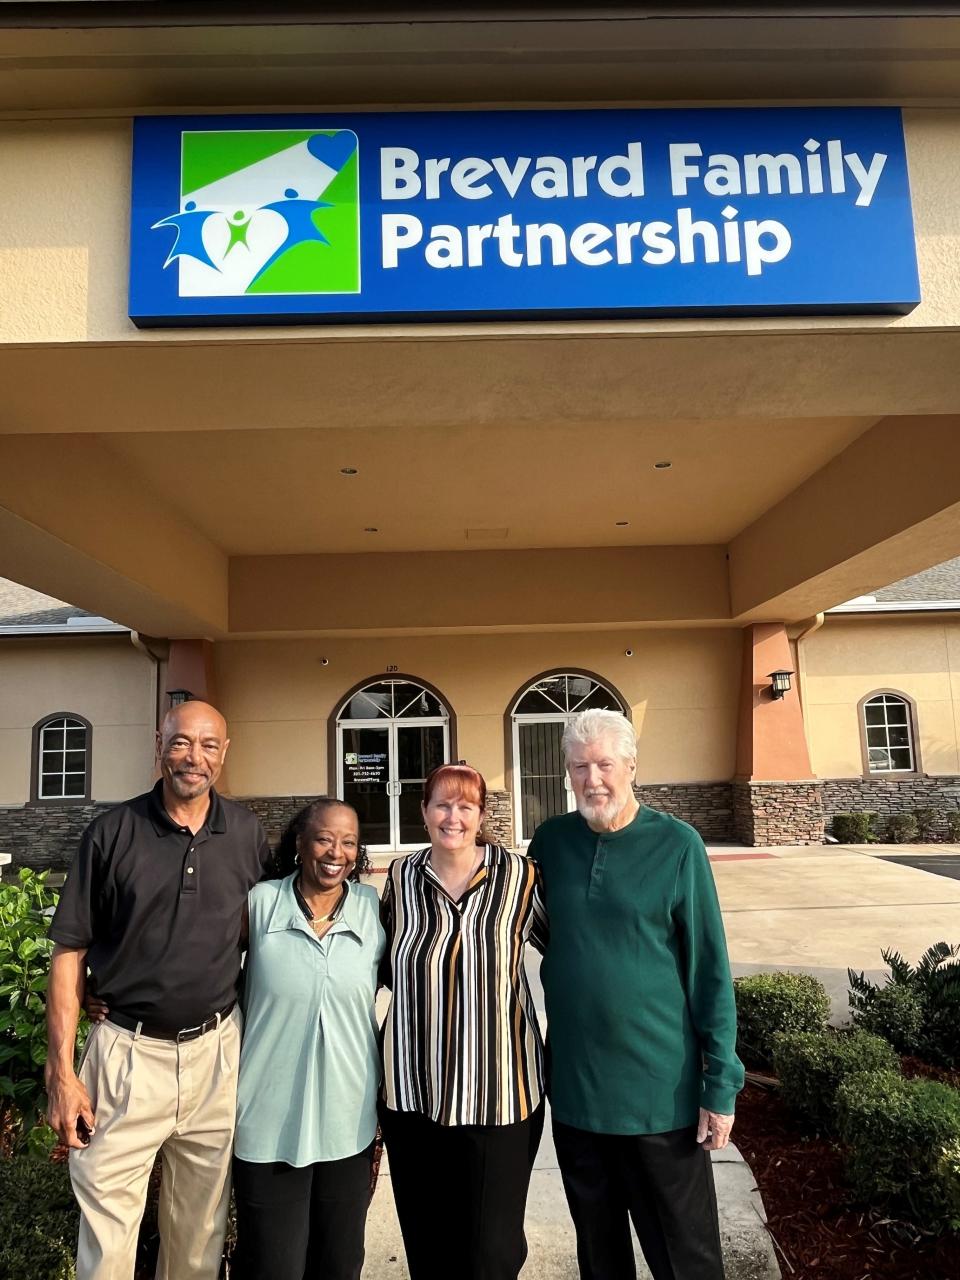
x: 364, y: 768
x: 419, y: 748
x: 541, y: 786
x: 544, y: 787
x: 390, y: 734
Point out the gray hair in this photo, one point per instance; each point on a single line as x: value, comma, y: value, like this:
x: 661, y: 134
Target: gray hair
x: 589, y: 726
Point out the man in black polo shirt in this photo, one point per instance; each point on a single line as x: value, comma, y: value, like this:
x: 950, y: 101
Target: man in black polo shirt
x: 152, y: 907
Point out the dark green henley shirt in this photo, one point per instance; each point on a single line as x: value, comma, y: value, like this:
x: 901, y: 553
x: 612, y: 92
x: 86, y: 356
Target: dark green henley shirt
x: 641, y: 1018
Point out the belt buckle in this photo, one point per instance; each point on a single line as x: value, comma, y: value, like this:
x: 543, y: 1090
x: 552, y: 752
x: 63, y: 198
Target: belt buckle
x: 190, y: 1033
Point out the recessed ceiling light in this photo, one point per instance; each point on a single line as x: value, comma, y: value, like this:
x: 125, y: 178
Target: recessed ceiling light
x: 622, y: 524
x: 662, y: 466
x: 348, y: 471
x: 371, y: 528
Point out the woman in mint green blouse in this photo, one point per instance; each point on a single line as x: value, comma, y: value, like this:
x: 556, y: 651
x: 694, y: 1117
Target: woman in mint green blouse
x: 310, y: 1062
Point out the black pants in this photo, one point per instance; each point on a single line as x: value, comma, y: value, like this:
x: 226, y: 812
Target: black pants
x: 461, y: 1192
x: 295, y: 1222
x: 663, y: 1181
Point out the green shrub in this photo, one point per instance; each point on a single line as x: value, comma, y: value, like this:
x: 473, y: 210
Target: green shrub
x: 24, y: 965
x: 894, y: 1012
x: 854, y: 828
x: 903, y: 1145
x: 901, y: 828
x: 953, y: 826
x: 812, y: 1065
x: 926, y: 824
x: 934, y: 985
x: 38, y: 1220
x: 768, y: 1003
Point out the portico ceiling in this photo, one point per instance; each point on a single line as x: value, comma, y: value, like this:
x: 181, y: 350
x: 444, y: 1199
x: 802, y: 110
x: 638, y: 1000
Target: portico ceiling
x: 458, y: 488
x: 195, y: 488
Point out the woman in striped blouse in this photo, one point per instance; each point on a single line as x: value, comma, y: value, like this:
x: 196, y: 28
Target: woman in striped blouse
x: 462, y: 1113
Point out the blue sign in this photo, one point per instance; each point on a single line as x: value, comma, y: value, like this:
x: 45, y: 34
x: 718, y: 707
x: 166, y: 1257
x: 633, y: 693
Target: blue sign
x: 430, y: 215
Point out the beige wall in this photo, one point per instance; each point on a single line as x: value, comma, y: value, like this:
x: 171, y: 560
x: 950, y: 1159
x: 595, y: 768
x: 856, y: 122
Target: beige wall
x: 277, y: 695
x: 63, y: 261
x: 681, y: 686
x: 849, y: 658
x: 106, y: 681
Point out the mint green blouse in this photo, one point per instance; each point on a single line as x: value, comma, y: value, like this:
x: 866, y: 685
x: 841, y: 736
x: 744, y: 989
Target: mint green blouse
x: 310, y: 1060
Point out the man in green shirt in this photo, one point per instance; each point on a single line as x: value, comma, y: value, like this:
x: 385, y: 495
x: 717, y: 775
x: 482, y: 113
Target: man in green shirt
x: 643, y: 1073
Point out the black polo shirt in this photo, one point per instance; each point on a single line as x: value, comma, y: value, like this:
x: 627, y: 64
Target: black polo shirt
x: 159, y: 909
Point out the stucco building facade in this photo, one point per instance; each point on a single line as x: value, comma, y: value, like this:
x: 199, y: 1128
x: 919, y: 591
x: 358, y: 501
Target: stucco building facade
x: 289, y: 702
x: 648, y: 508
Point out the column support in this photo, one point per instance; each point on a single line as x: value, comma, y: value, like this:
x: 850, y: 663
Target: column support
x: 776, y: 799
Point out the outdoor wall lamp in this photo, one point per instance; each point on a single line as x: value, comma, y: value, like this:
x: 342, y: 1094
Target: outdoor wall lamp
x: 779, y: 683
x: 178, y: 696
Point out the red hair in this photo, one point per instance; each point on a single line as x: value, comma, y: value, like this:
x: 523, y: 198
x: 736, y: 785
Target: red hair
x: 456, y: 779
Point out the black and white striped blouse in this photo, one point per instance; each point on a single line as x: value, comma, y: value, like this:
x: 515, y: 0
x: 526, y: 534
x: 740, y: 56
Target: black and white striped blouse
x: 461, y: 1041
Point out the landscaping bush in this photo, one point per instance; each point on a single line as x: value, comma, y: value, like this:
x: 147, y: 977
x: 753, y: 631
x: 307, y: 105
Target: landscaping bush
x: 24, y: 964
x: 768, y: 1003
x: 901, y: 828
x: 812, y: 1065
x: 894, y: 1012
x: 953, y: 826
x: 903, y: 1145
x: 933, y: 986
x: 926, y: 824
x: 854, y: 828
x: 38, y: 1220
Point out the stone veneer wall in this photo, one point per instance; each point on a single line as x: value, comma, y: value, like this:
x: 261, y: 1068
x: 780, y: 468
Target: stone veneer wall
x: 45, y: 836
x: 778, y: 812
x: 886, y: 796
x: 498, y: 824
x: 707, y: 806
x: 276, y: 811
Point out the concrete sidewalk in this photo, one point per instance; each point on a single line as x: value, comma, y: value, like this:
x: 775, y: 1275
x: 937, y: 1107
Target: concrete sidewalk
x: 748, y: 1252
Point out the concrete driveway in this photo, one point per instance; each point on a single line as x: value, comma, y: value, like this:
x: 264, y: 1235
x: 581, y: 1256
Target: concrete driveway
x: 825, y: 908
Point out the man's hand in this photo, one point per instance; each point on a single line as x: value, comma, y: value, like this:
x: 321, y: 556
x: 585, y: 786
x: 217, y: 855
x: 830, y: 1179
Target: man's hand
x: 66, y: 1100
x: 713, y: 1131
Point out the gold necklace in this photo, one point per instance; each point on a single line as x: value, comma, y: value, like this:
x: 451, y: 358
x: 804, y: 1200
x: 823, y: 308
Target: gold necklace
x: 317, y: 921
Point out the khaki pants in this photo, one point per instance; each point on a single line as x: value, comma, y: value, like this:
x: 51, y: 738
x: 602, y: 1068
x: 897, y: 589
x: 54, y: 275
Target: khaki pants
x: 149, y: 1096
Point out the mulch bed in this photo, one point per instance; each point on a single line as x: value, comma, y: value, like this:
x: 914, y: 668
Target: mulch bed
x: 819, y: 1230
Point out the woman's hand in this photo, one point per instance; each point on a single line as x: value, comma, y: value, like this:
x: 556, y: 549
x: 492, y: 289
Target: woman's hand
x: 713, y: 1131
x: 95, y: 1009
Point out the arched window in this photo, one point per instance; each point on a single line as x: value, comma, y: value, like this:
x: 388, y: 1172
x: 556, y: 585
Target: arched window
x: 538, y: 715
x: 389, y: 735
x: 888, y: 732
x: 61, y: 758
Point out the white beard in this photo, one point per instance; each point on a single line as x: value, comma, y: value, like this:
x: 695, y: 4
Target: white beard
x: 601, y: 811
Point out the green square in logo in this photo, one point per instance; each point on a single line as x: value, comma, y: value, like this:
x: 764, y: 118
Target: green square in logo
x: 267, y: 211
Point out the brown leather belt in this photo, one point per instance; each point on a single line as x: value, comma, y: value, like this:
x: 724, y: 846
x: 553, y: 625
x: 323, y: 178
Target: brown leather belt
x: 153, y: 1032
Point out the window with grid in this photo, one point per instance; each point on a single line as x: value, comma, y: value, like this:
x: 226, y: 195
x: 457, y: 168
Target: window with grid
x: 889, y: 731
x: 63, y: 759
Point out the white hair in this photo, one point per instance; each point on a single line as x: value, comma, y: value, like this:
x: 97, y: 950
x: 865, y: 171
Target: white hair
x: 589, y: 726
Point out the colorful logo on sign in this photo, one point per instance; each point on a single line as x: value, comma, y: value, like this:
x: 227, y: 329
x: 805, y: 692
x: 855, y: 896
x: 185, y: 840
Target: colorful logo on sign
x: 266, y: 211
